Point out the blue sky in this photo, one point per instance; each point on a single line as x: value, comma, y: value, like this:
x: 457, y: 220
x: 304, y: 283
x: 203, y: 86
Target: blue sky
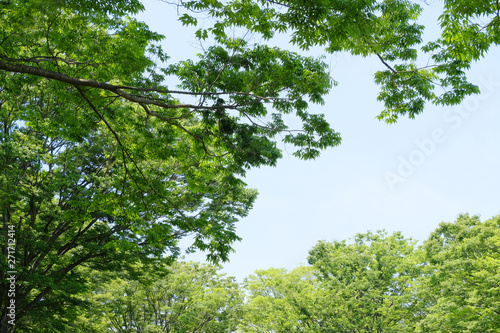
x: 408, y: 177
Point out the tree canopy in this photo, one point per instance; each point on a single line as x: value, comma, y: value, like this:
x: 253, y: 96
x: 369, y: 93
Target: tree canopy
x: 462, y: 282
x: 191, y: 297
x: 370, y: 283
x: 103, y: 166
x: 280, y: 301
x: 415, y: 71
x: 374, y: 282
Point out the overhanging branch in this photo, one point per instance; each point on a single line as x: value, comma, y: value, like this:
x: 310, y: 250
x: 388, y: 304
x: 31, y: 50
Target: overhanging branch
x: 120, y: 89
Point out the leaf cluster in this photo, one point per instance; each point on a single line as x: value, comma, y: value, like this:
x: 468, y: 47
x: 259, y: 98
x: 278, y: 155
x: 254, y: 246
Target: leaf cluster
x: 374, y: 282
x: 388, y: 30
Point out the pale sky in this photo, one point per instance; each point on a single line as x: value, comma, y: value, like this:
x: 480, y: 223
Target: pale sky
x: 407, y: 177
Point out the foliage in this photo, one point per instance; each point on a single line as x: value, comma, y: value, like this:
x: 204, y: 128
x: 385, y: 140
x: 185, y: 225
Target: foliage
x: 386, y: 29
x: 369, y: 283
x: 462, y: 286
x: 281, y: 301
x: 103, y: 166
x: 374, y: 283
x: 90, y: 49
x: 365, y: 286
x: 190, y: 298
x: 381, y: 283
x: 82, y: 200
